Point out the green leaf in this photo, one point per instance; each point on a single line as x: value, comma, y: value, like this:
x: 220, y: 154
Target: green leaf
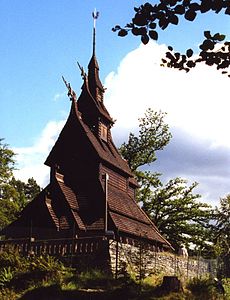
x: 152, y: 25
x: 179, y: 9
x: 122, y: 32
x: 174, y: 19
x: 145, y: 39
x: 219, y: 37
x: 140, y: 20
x: 189, y: 52
x: 207, y: 45
x: 207, y: 34
x: 136, y: 31
x: 191, y: 64
x: 190, y: 15
x: 153, y: 35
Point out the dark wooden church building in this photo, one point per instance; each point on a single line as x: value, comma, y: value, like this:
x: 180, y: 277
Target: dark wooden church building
x: 92, y: 189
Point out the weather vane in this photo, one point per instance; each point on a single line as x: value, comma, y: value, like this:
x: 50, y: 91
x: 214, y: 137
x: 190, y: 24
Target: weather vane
x: 95, y: 15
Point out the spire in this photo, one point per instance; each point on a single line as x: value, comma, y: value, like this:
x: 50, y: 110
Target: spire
x: 95, y: 85
x: 90, y: 102
x: 95, y: 15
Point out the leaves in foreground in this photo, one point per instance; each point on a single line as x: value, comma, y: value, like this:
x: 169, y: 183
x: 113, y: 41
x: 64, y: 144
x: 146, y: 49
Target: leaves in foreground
x: 213, y: 53
x: 149, y: 18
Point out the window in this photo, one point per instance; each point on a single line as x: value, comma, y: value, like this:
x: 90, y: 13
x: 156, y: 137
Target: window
x: 103, y: 132
x: 99, y: 95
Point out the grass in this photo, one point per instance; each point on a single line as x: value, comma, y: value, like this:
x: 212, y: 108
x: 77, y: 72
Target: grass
x: 45, y: 278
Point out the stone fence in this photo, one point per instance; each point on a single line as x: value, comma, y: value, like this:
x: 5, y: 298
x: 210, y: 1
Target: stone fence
x: 143, y: 262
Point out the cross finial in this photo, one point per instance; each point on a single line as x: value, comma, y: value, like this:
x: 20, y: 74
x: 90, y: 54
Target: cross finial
x: 95, y: 15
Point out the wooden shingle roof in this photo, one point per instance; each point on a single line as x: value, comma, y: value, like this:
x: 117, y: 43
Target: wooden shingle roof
x: 120, y: 202
x: 136, y: 228
x: 105, y: 151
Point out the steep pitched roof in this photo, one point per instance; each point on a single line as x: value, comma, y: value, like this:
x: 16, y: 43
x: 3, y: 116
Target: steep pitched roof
x: 129, y: 217
x: 89, y: 104
x: 30, y: 217
x: 74, y: 202
x: 136, y: 228
x: 75, y: 125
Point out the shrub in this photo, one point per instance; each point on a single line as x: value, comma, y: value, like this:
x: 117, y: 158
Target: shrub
x: 6, y: 294
x: 10, y: 257
x: 226, y: 284
x: 40, y: 271
x: 204, y: 288
x: 6, y: 275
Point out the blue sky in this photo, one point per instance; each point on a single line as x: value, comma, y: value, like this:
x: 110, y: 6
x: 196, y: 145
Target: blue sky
x: 43, y: 40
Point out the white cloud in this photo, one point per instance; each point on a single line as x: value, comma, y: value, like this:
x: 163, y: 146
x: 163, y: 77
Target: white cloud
x: 196, y: 101
x: 197, y: 104
x: 30, y: 160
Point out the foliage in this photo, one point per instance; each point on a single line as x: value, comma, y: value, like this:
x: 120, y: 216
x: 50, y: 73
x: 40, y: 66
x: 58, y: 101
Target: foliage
x: 41, y: 270
x: 6, y: 163
x: 14, y: 194
x: 19, y: 272
x: 222, y: 226
x: 24, y: 192
x: 226, y: 284
x: 173, y: 207
x: 221, y: 234
x: 153, y: 135
x: 8, y: 212
x: 149, y: 16
x: 6, y: 275
x: 211, y: 52
x: 90, y: 284
x: 204, y: 288
x: 11, y: 258
x: 6, y: 294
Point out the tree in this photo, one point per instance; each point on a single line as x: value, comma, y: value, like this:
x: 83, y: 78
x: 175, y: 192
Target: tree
x: 6, y: 163
x: 153, y: 135
x: 24, y: 192
x: 220, y: 232
x: 175, y: 210
x: 173, y: 206
x: 14, y: 194
x: 222, y: 226
x: 148, y: 17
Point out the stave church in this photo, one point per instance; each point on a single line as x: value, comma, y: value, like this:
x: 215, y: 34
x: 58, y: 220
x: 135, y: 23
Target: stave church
x: 91, y: 193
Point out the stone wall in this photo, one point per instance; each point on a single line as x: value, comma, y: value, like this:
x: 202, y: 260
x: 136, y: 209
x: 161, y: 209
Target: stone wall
x: 143, y: 262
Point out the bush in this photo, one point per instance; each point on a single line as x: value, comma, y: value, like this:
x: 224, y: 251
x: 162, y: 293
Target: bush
x: 41, y: 271
x: 20, y: 273
x: 226, y: 284
x: 204, y: 288
x: 6, y: 275
x: 6, y: 294
x: 10, y: 257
